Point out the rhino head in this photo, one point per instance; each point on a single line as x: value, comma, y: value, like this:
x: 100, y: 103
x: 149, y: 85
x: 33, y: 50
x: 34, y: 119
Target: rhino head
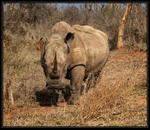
x: 54, y: 60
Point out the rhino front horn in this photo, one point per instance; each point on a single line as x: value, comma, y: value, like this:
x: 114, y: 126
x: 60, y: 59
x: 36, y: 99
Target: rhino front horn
x: 55, y: 63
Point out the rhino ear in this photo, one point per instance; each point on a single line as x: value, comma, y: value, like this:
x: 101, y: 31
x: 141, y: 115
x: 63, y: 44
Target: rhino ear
x: 41, y: 43
x: 69, y: 38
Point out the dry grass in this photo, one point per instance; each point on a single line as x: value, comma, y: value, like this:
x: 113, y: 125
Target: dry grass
x: 21, y: 66
x: 123, y: 80
x: 119, y: 98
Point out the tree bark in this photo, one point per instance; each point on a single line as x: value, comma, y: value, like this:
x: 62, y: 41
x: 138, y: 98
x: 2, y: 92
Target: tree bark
x: 122, y: 25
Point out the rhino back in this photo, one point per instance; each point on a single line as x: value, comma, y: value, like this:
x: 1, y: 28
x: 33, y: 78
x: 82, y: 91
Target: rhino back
x: 95, y: 43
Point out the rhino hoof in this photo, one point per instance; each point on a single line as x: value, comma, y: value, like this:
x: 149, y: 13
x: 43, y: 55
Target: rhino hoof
x: 74, y: 100
x: 70, y: 102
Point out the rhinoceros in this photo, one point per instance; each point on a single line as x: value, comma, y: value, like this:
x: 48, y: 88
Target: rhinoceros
x: 70, y: 54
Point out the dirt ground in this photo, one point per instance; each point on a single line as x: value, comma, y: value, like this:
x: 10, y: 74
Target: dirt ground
x: 130, y: 109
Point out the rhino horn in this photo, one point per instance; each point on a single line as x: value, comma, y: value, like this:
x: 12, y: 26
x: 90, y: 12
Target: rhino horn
x: 55, y: 63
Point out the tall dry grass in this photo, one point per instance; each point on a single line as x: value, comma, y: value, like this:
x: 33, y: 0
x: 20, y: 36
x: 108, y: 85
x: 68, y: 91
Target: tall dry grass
x: 22, y: 67
x: 119, y: 78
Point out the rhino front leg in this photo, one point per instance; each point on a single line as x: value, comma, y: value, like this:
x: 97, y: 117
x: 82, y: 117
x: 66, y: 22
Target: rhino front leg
x: 77, y: 76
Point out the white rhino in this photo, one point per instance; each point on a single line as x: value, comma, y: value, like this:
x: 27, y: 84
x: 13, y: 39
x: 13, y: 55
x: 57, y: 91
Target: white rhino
x: 72, y: 52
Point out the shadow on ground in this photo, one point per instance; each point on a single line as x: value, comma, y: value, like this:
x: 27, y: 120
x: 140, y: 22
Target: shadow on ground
x: 45, y: 98
x: 49, y: 97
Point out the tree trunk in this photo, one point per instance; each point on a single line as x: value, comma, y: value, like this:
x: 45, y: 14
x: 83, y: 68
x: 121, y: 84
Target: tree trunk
x: 122, y: 25
x: 9, y: 93
x: 88, y: 9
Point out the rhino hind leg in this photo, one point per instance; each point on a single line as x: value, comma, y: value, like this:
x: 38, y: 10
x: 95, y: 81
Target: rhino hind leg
x: 92, y: 79
x: 83, y: 88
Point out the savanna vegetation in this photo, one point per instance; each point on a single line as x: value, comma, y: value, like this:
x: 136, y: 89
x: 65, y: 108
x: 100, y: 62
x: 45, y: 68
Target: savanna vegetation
x: 120, y: 95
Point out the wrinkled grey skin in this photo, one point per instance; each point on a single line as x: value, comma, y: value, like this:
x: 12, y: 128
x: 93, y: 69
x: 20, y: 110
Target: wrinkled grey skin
x: 79, y: 49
